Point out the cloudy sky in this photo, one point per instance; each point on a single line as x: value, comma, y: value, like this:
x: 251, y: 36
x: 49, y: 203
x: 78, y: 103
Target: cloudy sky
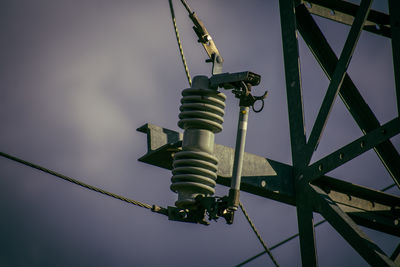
x: 78, y: 77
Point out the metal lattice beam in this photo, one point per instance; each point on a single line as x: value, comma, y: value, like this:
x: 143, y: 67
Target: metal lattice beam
x: 358, y: 108
x: 293, y: 81
x: 305, y: 223
x: 337, y: 77
x: 297, y: 130
x: 396, y: 255
x: 394, y: 11
x: 348, y: 229
x: 352, y: 150
x: 344, y: 205
x: 344, y: 12
x: 274, y: 180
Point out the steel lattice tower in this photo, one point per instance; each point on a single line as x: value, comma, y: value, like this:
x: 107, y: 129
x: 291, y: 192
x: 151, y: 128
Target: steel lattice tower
x: 344, y: 205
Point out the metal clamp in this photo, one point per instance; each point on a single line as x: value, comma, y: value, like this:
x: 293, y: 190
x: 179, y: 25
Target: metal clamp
x: 240, y: 83
x: 213, y: 207
x: 206, y: 40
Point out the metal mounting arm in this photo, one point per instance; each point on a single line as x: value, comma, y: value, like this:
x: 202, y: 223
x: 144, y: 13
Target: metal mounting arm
x: 240, y: 83
x: 206, y: 40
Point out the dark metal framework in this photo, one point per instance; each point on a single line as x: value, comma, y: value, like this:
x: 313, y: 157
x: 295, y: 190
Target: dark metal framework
x: 344, y: 205
x: 295, y: 16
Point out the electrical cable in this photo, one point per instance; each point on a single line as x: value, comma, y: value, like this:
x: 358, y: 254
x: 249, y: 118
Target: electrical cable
x: 161, y: 210
x: 267, y: 250
x: 294, y: 236
x: 153, y: 208
x: 179, y: 41
x: 275, y: 246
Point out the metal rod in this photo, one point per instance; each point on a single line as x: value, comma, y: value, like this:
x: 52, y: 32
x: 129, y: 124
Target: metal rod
x: 238, y: 161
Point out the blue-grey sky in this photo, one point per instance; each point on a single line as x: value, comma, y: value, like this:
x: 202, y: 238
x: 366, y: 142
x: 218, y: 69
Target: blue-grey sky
x: 78, y: 77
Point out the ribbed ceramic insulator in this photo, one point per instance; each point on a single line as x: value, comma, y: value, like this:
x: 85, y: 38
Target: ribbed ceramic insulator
x: 195, y: 167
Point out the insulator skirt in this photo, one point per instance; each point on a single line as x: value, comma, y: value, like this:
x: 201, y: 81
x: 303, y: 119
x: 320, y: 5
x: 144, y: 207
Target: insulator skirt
x: 202, y: 109
x: 195, y: 167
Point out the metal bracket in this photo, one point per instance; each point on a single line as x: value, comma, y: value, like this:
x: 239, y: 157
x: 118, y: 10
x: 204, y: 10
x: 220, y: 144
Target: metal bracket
x: 274, y: 180
x: 217, y: 62
x: 241, y: 83
x: 214, y: 207
x: 188, y: 216
x: 206, y: 40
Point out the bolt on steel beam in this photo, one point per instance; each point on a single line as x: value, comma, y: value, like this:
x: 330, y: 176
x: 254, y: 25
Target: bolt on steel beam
x: 345, y: 12
x: 352, y: 150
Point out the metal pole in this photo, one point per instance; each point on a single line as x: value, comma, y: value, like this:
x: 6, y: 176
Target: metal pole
x: 234, y: 191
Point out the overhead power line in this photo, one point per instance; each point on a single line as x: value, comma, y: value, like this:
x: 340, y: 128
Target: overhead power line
x: 275, y: 246
x: 171, y: 7
x: 267, y: 250
x: 153, y: 208
x: 159, y: 209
